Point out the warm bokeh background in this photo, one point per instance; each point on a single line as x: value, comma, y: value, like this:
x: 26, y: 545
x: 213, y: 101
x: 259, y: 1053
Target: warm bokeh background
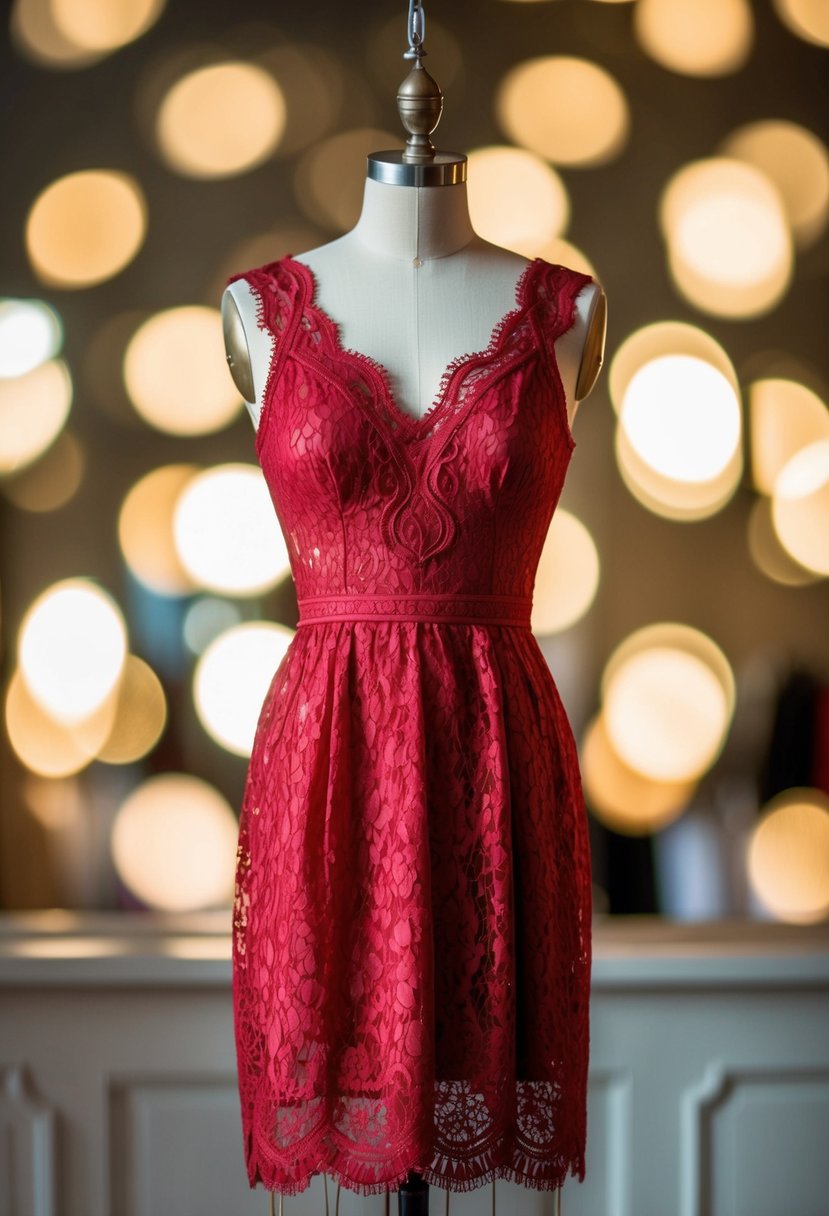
x: 676, y: 149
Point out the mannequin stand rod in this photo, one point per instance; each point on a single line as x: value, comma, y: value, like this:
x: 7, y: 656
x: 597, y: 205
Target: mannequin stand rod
x: 413, y: 1196
x: 413, y: 1199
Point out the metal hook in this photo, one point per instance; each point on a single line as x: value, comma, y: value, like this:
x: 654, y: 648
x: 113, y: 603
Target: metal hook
x: 415, y: 31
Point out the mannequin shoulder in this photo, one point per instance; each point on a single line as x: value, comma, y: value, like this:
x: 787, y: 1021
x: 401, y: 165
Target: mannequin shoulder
x: 249, y: 308
x: 592, y: 320
x: 584, y: 342
x: 239, y: 322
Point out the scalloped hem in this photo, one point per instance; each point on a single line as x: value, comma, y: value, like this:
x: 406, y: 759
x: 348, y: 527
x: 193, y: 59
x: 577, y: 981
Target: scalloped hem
x: 442, y: 1171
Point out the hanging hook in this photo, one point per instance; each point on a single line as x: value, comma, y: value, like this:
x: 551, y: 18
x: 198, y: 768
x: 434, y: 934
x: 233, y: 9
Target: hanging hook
x: 416, y: 31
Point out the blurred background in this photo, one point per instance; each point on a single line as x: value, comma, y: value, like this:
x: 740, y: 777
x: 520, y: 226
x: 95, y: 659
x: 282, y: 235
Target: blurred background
x: 677, y: 150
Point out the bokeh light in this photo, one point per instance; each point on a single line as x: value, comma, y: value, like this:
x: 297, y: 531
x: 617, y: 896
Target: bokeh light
x: 145, y: 529
x: 809, y: 19
x: 176, y: 374
x: 46, y: 746
x: 33, y: 410
x: 696, y: 37
x: 312, y: 83
x: 800, y: 507
x: 72, y: 646
x: 100, y: 25
x: 174, y: 843
x: 226, y: 531
x: 568, y: 110
x: 123, y: 728
x: 678, y: 443
x: 85, y: 227
x: 668, y: 698
x: 30, y: 333
x: 57, y: 803
x: 102, y: 367
x: 682, y: 417
x: 623, y: 799
x: 767, y: 552
x: 788, y: 856
x: 330, y: 177
x: 729, y: 242
x: 220, y: 120
x: 784, y: 417
x: 797, y: 161
x: 75, y: 439
x: 655, y: 341
x: 36, y: 36
x: 51, y: 481
x: 680, y: 501
x: 560, y: 252
x: 140, y: 714
x: 567, y: 577
x: 232, y: 678
x: 515, y: 199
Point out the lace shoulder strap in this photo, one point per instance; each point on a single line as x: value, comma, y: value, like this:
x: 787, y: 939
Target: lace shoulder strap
x: 557, y: 288
x: 278, y: 307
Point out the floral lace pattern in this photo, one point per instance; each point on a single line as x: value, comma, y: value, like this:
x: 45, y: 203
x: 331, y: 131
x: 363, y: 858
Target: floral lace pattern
x: 411, y: 923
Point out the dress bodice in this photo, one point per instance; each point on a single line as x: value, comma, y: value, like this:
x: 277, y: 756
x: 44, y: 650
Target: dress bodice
x: 373, y: 501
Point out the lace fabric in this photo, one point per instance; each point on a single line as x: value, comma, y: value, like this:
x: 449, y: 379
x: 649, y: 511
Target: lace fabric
x: 411, y: 923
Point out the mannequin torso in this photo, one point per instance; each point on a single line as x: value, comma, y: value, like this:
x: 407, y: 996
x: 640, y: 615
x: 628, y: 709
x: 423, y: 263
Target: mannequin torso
x: 413, y: 287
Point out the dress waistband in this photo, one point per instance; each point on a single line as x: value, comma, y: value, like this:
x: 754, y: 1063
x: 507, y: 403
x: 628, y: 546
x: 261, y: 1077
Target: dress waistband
x: 451, y: 609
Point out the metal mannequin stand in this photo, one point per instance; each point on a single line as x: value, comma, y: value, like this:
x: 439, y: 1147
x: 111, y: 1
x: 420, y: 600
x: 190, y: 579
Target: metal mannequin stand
x: 413, y: 1196
x: 413, y: 1199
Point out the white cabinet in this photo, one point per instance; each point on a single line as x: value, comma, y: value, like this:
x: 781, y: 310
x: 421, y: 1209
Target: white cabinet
x: 709, y: 1077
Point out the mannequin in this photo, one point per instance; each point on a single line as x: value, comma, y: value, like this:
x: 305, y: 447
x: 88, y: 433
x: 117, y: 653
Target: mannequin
x: 413, y: 287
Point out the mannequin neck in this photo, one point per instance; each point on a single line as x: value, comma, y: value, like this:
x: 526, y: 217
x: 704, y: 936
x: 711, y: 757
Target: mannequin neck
x: 408, y: 222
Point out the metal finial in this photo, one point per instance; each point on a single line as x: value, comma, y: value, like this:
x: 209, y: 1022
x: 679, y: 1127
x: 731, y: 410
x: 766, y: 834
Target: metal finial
x: 420, y: 105
x: 419, y: 99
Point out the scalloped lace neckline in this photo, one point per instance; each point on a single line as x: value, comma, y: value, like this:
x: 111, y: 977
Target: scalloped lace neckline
x: 380, y: 373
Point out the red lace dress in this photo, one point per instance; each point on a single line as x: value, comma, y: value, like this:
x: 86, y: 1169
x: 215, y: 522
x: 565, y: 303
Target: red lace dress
x: 412, y: 914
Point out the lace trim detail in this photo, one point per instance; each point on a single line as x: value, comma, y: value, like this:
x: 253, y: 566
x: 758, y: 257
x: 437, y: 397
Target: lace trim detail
x: 506, y: 1158
x: 417, y: 518
x: 380, y: 373
x: 278, y: 324
x: 560, y: 288
x: 460, y: 609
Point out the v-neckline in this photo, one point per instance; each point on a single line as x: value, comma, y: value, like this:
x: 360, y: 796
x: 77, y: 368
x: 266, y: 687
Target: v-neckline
x: 414, y: 428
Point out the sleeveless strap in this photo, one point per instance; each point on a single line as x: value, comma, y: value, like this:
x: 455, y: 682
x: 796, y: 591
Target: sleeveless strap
x: 278, y: 313
x: 557, y: 288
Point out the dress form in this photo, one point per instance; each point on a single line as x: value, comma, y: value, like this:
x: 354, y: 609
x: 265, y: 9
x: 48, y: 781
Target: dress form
x: 414, y: 287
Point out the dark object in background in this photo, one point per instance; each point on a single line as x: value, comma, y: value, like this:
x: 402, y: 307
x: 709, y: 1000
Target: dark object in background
x: 631, y: 880
x: 791, y: 759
